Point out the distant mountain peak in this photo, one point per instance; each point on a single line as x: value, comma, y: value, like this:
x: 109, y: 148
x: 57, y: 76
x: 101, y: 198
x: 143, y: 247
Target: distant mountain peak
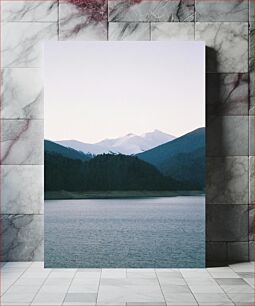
x: 128, y: 144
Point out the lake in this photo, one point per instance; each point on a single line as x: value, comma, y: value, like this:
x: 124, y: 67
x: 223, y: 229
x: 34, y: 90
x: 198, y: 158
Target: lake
x: 161, y: 232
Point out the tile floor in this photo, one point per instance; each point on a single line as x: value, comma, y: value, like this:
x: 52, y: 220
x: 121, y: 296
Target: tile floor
x: 27, y: 283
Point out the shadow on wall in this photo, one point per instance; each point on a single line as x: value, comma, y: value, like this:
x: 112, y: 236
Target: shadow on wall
x: 214, y: 256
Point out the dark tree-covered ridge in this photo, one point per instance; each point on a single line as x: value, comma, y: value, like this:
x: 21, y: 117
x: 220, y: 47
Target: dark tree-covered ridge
x: 106, y: 172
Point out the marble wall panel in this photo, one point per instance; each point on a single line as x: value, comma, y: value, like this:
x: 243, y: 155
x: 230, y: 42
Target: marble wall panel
x: 251, y: 68
x: 22, y: 237
x: 227, y: 180
x: 216, y: 252
x: 227, y: 223
x: 251, y: 93
x: 21, y: 189
x: 251, y: 180
x: 251, y: 250
x: 251, y: 135
x: 227, y: 45
x: 251, y: 10
x: 77, y: 23
x: 234, y: 10
x: 23, y: 10
x: 227, y: 94
x: 152, y: 10
x: 227, y: 136
x: 238, y: 251
x: 129, y: 31
x: 22, y: 42
x: 22, y: 93
x: 251, y: 222
x: 172, y: 31
x: 21, y: 142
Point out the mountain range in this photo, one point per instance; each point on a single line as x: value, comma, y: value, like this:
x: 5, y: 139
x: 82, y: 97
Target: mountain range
x: 128, y: 144
x: 55, y: 148
x: 181, y: 158
x: 178, y: 164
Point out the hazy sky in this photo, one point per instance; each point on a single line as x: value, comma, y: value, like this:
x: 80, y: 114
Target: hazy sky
x: 97, y: 90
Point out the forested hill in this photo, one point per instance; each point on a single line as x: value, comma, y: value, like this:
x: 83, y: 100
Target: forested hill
x: 106, y: 172
x: 182, y: 159
x: 52, y: 147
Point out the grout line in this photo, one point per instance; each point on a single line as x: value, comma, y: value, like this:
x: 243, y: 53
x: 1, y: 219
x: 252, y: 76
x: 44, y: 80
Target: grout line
x: 69, y: 286
x: 40, y: 287
x: 223, y: 288
x: 21, y: 214
x: 101, y: 270
x: 15, y: 280
x: 22, y: 119
x: 160, y: 286
x: 33, y: 21
x: 189, y: 286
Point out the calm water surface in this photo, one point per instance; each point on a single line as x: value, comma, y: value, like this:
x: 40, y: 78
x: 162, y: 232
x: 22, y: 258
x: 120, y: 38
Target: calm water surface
x: 136, y: 233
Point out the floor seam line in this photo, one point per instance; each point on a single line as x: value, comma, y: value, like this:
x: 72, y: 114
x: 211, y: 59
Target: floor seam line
x: 160, y: 286
x: 69, y: 286
x: 40, y: 287
x: 223, y: 289
x: 189, y: 287
x: 99, y: 285
x: 15, y: 280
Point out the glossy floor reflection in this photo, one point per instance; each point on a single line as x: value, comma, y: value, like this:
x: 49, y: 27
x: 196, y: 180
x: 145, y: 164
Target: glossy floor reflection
x: 27, y: 283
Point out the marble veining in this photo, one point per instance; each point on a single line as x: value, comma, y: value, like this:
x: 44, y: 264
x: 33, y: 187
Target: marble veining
x: 22, y: 237
x: 153, y: 10
x: 81, y: 21
x: 129, y: 31
x: 234, y: 10
x: 227, y: 93
x: 22, y: 10
x: 227, y: 180
x: 22, y: 93
x: 21, y: 142
x: 251, y: 47
x: 22, y: 42
x: 227, y: 135
x: 172, y: 31
x: 22, y: 188
x: 227, y: 45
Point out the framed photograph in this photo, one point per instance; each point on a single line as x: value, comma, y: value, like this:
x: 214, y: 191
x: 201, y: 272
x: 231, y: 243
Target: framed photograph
x: 124, y: 154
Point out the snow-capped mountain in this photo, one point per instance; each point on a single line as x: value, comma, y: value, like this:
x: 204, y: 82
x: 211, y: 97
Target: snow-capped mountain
x: 128, y: 144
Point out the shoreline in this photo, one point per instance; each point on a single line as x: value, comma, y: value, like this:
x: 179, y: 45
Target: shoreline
x: 67, y: 195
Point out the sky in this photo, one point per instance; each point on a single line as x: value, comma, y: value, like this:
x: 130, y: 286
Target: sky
x: 98, y: 90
